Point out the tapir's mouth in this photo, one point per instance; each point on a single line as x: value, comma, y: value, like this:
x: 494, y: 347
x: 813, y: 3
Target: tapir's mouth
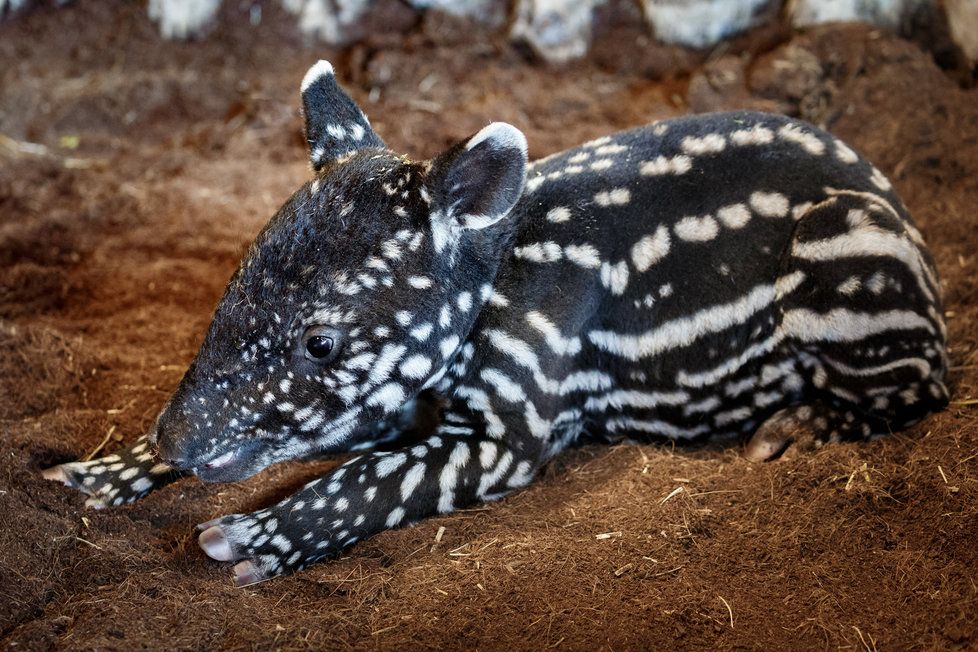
x: 235, y: 464
x: 222, y: 460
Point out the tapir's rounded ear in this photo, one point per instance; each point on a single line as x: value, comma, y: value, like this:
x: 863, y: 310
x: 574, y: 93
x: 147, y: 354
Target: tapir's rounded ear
x: 478, y: 181
x: 335, y: 125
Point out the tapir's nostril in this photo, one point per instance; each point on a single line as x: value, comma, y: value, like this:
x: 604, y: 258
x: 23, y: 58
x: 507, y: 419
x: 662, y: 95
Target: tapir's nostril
x: 172, y: 448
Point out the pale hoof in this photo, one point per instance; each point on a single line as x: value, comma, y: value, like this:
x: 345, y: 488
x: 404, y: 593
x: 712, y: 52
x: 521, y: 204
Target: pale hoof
x: 56, y: 474
x: 781, y: 432
x: 215, y: 545
x: 245, y: 574
x: 766, y: 445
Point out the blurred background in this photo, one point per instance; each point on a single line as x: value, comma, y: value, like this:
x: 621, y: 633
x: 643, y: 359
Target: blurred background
x: 142, y: 147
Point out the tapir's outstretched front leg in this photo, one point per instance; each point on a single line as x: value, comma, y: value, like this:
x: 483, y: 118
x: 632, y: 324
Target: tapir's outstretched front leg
x: 116, y: 479
x: 457, y: 466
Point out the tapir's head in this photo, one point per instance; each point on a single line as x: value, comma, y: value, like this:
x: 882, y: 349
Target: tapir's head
x: 355, y: 297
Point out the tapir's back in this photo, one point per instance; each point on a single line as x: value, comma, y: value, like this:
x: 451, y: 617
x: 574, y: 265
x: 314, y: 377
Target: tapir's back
x: 699, y: 204
x: 696, y: 255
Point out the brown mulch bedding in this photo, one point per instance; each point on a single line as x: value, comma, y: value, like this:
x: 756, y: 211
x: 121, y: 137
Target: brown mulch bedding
x: 163, y: 160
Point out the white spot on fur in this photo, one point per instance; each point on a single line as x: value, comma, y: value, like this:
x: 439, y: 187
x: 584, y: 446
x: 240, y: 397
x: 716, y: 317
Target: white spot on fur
x: 558, y: 214
x: 708, y: 144
x: 769, y: 204
x: 616, y: 197
x: 734, y: 216
x: 665, y: 165
x: 697, y: 229
x: 651, y: 249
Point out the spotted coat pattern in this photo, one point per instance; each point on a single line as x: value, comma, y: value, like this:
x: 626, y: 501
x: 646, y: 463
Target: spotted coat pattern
x: 691, y: 279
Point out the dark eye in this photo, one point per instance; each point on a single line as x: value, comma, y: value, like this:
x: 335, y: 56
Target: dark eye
x: 319, y: 346
x: 320, y: 343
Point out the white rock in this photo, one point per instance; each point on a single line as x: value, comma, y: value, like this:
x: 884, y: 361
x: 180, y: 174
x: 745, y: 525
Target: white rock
x: 181, y: 19
x: 557, y: 30
x: 701, y: 23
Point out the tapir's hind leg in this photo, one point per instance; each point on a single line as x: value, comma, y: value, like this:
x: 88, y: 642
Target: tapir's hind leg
x: 865, y: 326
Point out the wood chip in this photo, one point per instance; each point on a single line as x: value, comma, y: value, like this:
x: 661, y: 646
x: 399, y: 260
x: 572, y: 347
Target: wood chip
x: 608, y: 535
x: 672, y: 494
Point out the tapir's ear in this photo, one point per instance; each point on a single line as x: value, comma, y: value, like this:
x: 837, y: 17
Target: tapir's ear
x: 335, y: 125
x: 478, y: 181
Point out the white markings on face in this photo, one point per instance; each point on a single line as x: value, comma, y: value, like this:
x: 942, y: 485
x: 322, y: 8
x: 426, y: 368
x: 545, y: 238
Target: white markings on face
x: 615, y: 277
x: 539, y: 252
x: 558, y: 214
x: 696, y: 229
x: 419, y: 282
x: 416, y: 366
x: 403, y: 317
x: 662, y: 165
x: 808, y: 141
x: 615, y: 197
x: 390, y: 397
x: 769, y: 204
x: 464, y: 301
x: 651, y: 249
x: 708, y: 144
x: 390, y: 354
x: 734, y: 216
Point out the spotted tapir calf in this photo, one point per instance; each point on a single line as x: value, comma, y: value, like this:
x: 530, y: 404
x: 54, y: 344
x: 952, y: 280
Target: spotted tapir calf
x: 716, y: 276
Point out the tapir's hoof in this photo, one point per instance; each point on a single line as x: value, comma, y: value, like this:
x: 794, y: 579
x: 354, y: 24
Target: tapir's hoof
x: 215, y: 545
x: 56, y: 474
x: 782, y: 430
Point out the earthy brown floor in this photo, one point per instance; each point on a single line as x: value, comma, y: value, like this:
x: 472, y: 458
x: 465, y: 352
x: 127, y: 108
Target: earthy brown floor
x: 164, y: 160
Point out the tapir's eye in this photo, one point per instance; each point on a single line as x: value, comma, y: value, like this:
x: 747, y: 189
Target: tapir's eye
x: 321, y: 343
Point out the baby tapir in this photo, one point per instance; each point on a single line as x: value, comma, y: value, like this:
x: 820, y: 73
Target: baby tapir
x: 715, y: 276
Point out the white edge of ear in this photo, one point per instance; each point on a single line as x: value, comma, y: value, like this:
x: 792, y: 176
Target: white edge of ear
x: 322, y: 68
x: 500, y: 134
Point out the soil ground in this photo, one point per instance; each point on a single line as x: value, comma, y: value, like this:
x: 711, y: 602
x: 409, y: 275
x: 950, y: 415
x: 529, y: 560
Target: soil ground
x: 161, y: 161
